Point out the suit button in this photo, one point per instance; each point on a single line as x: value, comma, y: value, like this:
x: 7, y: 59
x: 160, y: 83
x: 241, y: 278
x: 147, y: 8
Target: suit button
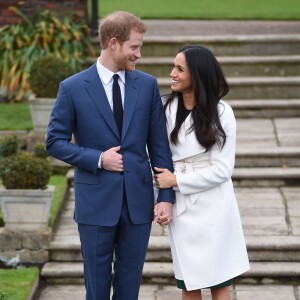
x: 121, y: 173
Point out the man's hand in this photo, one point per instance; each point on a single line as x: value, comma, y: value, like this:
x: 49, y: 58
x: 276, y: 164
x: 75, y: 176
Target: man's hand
x: 112, y: 160
x: 162, y: 213
x: 165, y: 179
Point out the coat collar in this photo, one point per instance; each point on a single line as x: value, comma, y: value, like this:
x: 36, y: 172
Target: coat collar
x: 188, y: 144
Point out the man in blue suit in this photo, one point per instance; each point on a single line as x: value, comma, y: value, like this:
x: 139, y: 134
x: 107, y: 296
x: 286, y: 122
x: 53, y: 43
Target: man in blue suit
x: 113, y: 178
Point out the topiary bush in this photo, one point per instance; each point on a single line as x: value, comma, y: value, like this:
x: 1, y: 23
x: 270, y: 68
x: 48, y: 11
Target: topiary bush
x: 45, y: 75
x: 40, y: 151
x: 8, y: 145
x: 23, y: 170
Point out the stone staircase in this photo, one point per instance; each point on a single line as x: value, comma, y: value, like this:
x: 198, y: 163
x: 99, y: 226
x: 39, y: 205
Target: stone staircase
x: 257, y: 66
x: 273, y: 240
x: 263, y: 72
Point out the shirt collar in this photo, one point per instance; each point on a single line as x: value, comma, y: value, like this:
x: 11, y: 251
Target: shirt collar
x: 106, y: 75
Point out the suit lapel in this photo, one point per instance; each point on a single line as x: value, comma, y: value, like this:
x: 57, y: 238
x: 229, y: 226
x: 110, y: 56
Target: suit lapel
x: 97, y: 93
x: 131, y: 93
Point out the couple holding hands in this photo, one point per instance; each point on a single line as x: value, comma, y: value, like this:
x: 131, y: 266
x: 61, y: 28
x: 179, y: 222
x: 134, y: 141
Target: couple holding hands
x: 187, y: 139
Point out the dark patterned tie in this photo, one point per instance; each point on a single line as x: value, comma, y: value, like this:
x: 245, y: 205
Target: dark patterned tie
x: 117, y: 103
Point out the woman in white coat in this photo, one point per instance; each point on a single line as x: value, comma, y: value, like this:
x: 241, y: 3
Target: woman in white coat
x: 206, y: 236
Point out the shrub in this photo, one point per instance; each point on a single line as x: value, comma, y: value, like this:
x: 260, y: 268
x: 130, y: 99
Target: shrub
x: 46, y: 73
x: 41, y: 34
x: 8, y: 146
x: 40, y: 151
x: 25, y: 170
x: 3, y: 296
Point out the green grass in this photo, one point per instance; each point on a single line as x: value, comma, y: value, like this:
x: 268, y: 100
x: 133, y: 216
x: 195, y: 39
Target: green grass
x: 17, y: 283
x: 60, y: 182
x: 205, y: 9
x: 15, y: 116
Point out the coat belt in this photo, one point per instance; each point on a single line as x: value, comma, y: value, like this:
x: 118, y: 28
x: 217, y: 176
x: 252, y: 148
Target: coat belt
x: 181, y: 199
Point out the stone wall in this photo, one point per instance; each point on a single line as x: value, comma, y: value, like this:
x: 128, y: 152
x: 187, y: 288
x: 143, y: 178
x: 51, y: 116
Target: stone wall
x: 60, y: 7
x: 24, y: 247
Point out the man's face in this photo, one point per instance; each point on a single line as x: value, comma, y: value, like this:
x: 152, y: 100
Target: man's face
x: 127, y: 54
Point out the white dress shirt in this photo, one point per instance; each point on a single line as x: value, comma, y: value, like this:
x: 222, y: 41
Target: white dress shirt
x: 106, y: 77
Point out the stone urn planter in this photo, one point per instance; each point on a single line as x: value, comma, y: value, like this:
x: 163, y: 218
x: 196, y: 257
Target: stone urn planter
x: 25, y: 194
x: 45, y: 76
x: 26, y: 210
x: 40, y: 110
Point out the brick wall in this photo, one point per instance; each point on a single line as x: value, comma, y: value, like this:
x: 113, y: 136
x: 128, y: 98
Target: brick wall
x: 60, y: 7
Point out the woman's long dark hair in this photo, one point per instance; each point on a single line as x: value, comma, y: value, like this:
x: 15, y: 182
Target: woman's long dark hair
x: 209, y: 85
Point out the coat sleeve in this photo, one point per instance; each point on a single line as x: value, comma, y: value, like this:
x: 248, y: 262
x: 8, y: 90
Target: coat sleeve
x: 221, y: 161
x: 158, y: 144
x: 60, y: 129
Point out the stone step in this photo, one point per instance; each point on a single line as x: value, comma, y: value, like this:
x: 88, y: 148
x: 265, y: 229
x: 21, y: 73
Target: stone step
x: 234, y: 66
x: 260, y: 291
x: 225, y: 45
x: 260, y: 248
x: 284, y: 157
x: 185, y: 27
x: 260, y: 108
x: 162, y: 272
x: 220, y: 45
x: 266, y: 177
x: 273, y: 271
x: 253, y: 87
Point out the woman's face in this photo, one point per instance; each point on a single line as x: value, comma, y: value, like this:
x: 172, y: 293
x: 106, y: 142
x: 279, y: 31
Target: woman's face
x: 180, y: 74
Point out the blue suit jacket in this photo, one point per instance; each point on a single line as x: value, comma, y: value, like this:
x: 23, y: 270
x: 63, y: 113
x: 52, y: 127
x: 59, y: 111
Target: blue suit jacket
x: 82, y: 109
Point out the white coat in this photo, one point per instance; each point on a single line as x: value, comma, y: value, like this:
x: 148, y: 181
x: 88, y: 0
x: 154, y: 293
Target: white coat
x: 206, y: 235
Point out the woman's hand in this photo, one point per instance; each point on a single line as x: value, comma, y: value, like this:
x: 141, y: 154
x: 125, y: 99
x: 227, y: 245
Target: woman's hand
x: 165, y: 179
